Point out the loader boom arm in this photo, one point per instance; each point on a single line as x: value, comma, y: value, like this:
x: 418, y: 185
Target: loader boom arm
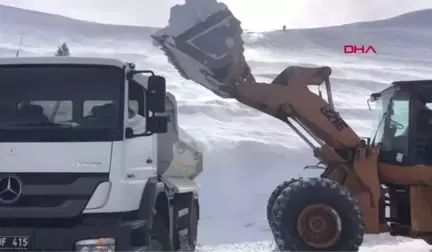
x: 288, y: 98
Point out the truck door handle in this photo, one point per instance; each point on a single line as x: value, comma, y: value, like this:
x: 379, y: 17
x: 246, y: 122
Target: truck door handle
x: 149, y: 161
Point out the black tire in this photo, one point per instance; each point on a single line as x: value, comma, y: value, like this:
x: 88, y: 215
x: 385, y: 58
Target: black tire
x: 332, y: 201
x: 273, y: 196
x: 187, y: 226
x: 194, y: 226
x: 160, y: 236
x: 428, y: 240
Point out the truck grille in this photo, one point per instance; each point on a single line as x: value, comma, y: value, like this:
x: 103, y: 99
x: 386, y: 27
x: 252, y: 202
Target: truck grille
x: 51, y: 195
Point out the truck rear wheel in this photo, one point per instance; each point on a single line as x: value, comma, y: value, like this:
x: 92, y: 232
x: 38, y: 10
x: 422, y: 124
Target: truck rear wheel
x: 194, y: 226
x: 317, y: 214
x: 160, y: 236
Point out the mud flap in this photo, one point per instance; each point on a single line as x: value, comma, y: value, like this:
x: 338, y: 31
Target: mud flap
x: 185, y: 222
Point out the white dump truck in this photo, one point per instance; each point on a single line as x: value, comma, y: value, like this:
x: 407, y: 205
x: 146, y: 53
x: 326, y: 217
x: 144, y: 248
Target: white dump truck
x: 91, y: 159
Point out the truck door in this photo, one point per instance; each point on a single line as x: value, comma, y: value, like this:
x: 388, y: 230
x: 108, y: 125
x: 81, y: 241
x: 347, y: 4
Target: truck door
x: 139, y: 154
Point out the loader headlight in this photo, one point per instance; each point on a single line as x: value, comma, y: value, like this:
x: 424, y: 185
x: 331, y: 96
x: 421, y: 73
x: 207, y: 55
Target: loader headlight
x: 96, y: 245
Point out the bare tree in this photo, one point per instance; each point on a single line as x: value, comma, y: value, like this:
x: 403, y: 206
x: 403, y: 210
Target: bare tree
x: 63, y: 50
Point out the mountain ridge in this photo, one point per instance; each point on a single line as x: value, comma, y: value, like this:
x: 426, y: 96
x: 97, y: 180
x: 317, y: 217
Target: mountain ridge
x: 9, y: 14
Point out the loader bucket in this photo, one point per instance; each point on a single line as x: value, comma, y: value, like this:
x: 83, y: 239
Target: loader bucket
x: 202, y: 41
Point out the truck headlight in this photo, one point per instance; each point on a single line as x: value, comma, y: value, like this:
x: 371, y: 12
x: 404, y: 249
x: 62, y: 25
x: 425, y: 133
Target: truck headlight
x: 96, y: 245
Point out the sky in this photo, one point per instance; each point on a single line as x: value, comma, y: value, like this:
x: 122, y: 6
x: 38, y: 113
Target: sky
x: 259, y: 15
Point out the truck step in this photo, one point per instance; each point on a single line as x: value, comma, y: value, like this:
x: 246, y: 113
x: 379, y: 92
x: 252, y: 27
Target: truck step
x: 138, y: 249
x: 134, y: 224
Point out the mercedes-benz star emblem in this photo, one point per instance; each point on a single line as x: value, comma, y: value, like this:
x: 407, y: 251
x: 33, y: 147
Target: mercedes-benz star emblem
x: 12, y: 151
x: 10, y: 189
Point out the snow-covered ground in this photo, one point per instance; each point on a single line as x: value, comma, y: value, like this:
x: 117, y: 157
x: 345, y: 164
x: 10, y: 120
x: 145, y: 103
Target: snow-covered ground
x: 248, y: 153
x: 378, y: 243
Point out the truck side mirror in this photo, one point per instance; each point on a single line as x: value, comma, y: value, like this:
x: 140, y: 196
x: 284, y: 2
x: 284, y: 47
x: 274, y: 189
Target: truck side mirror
x: 157, y: 124
x: 156, y: 92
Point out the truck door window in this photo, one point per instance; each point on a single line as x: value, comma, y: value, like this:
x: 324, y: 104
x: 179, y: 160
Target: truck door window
x: 133, y: 108
x: 136, y: 97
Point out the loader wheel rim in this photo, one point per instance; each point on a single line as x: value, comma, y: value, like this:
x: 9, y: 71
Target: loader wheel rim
x: 319, y: 226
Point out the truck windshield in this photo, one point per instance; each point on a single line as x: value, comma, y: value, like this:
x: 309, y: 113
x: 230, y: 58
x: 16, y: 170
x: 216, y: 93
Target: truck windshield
x: 61, y: 103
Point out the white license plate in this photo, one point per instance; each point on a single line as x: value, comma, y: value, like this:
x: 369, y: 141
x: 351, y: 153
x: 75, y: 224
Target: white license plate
x: 14, y: 242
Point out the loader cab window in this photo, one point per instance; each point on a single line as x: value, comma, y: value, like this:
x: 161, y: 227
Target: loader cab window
x: 398, y: 124
x: 395, y: 130
x: 422, y: 130
x: 380, y: 111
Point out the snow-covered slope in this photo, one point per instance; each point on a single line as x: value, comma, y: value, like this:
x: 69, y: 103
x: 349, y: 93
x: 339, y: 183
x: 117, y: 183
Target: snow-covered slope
x: 247, y: 153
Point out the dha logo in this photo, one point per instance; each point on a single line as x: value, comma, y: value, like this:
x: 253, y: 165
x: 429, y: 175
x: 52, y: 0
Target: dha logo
x: 363, y: 49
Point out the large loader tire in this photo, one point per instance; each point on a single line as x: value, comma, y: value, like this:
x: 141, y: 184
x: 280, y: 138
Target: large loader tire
x: 273, y: 196
x: 317, y: 214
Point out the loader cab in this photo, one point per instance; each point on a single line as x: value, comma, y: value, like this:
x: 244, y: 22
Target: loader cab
x: 403, y: 124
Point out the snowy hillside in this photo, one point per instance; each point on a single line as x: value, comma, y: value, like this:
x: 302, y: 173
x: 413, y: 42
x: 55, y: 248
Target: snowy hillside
x: 247, y: 153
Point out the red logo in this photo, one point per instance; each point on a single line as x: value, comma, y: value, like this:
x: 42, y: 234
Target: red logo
x: 363, y: 49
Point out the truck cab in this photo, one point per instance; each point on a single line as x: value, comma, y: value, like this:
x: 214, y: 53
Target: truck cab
x: 79, y: 166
